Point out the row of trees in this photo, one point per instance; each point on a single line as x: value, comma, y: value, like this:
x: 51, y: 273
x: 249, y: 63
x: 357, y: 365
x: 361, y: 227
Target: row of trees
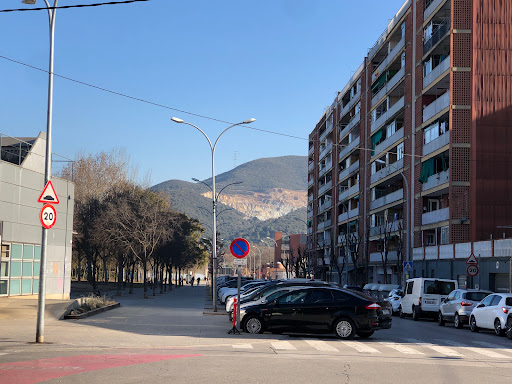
x: 119, y: 220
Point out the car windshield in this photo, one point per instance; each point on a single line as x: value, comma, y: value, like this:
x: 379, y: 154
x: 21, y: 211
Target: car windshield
x: 293, y: 298
x: 508, y: 301
x: 476, y: 296
x: 436, y: 287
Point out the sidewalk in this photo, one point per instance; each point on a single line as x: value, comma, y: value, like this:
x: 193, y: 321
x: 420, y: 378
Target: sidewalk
x: 180, y: 317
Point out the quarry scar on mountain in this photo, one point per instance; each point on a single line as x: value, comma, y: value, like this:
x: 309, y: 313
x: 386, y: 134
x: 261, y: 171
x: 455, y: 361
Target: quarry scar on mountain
x: 271, y: 204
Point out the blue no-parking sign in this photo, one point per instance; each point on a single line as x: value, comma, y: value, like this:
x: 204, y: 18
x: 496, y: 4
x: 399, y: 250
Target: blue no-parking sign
x: 239, y: 248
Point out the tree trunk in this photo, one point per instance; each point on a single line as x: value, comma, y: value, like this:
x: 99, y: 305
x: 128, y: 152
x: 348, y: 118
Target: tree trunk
x: 131, y: 278
x: 120, y: 266
x: 145, y: 269
x: 161, y: 279
x: 155, y: 278
x: 105, y: 270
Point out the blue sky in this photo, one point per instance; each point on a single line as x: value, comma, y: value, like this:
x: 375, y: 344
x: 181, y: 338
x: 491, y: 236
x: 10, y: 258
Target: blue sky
x: 279, y: 61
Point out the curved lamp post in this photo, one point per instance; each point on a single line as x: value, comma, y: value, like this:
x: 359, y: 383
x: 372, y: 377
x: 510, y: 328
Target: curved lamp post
x: 214, y: 196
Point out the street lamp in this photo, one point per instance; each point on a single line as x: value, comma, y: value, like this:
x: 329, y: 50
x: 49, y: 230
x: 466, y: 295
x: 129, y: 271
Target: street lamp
x: 47, y: 170
x: 214, y: 196
x: 259, y: 266
x: 275, y: 262
x: 407, y: 251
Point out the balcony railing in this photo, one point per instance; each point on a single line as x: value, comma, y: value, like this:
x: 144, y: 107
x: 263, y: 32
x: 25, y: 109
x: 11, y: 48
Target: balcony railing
x: 388, y: 199
x: 391, y: 227
x: 388, y: 114
x: 389, y: 86
x: 325, y: 151
x: 435, y: 216
x: 352, y: 123
x: 436, y: 180
x: 310, y: 198
x: 349, y: 192
x: 310, y: 214
x: 348, y: 215
x: 389, y: 141
x: 349, y: 147
x: 389, y: 58
x: 324, y: 224
x: 351, y: 236
x: 441, y: 30
x: 347, y: 171
x: 327, y: 131
x: 436, y: 72
x: 311, y: 150
x: 437, y: 106
x: 311, y: 166
x: 434, y: 145
x: 350, y: 104
x: 324, y: 188
x: 310, y: 231
x: 431, y: 8
x: 322, y: 171
x: 376, y: 257
x: 311, y: 182
x: 388, y: 170
x: 324, y: 206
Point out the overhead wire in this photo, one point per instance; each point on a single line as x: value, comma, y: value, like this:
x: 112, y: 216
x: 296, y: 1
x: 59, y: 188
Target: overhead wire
x: 72, y: 6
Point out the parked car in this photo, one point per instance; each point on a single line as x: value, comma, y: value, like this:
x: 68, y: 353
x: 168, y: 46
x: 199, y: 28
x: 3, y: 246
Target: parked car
x: 227, y: 292
x: 380, y: 291
x: 508, y: 330
x: 319, y: 310
x: 423, y: 296
x: 353, y: 287
x: 458, y: 306
x: 231, y: 299
x: 395, y: 298
x: 492, y: 313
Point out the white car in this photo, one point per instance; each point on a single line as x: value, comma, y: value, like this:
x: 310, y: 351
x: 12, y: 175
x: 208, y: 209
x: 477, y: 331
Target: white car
x: 231, y: 299
x: 395, y: 298
x: 491, y: 313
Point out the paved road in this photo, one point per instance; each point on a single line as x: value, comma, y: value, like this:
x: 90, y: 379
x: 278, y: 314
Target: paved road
x: 170, y: 338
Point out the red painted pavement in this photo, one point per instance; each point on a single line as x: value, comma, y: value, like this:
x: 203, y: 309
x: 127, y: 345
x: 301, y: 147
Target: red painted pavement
x: 35, y: 371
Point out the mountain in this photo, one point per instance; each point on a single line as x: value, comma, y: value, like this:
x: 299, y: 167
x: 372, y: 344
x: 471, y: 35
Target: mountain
x: 272, y: 196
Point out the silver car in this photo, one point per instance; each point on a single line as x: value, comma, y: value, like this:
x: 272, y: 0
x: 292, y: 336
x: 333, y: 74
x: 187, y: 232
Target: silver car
x: 458, y: 306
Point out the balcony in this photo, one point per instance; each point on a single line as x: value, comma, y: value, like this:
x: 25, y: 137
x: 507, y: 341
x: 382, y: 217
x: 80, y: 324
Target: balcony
x: 388, y: 199
x: 436, y: 72
x: 324, y: 224
x: 324, y: 242
x: 310, y: 231
x: 348, y: 215
x: 324, y: 188
x: 350, y: 104
x: 323, y: 170
x: 348, y: 148
x: 310, y: 182
x: 310, y: 198
x: 437, y: 106
x: 389, y: 58
x: 311, y: 150
x: 376, y: 257
x: 436, y: 180
x: 325, y: 151
x: 435, y: 216
x: 386, y: 171
x: 389, y: 86
x: 389, y: 141
x: 351, y: 235
x: 352, y: 123
x: 324, y: 206
x: 431, y: 8
x: 434, y: 145
x: 311, y: 166
x: 347, y: 171
x: 310, y: 214
x: 388, y: 114
x: 391, y: 227
x: 327, y: 130
x: 437, y: 35
x: 349, y: 192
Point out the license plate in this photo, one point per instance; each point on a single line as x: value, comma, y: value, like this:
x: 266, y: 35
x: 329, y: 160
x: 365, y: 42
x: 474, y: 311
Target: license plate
x: 429, y: 301
x: 386, y: 312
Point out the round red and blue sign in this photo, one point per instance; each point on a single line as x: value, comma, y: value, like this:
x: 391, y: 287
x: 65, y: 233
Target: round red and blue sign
x: 239, y: 248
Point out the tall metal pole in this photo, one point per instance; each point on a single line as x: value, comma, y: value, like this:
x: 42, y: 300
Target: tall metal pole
x: 408, y: 242
x: 47, y: 177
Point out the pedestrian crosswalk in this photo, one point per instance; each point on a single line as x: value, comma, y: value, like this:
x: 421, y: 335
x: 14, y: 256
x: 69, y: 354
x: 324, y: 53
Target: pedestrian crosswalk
x: 437, y: 348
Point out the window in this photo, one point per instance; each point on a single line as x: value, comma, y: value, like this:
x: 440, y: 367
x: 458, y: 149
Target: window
x: 402, y: 60
x: 403, y: 29
x: 436, y: 287
x: 317, y: 296
x: 495, y: 301
x: 457, y: 295
x: 400, y: 151
x: 340, y: 296
x: 444, y: 235
x: 296, y: 297
x: 410, y: 285
x: 433, y: 205
x: 475, y: 296
x: 487, y: 300
x: 431, y: 239
x: 5, y: 251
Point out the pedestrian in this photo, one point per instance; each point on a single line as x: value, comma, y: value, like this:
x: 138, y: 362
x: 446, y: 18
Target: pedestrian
x: 192, y: 281
x: 198, y: 280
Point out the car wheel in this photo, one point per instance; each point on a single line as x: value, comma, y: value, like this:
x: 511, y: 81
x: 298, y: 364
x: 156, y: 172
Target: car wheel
x: 365, y: 334
x: 509, y: 328
x: 497, y: 327
x: 456, y: 322
x: 253, y: 325
x: 345, y: 329
x: 400, y: 312
x: 415, y: 314
x: 472, y: 324
x: 440, y: 320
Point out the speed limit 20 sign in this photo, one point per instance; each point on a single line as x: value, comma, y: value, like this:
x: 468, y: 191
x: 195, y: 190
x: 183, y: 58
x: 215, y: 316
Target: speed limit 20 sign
x: 48, y: 216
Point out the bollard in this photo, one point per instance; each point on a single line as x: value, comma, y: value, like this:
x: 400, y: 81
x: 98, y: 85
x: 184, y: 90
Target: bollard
x: 234, y: 330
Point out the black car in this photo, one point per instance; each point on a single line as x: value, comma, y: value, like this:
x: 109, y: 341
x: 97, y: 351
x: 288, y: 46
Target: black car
x: 319, y: 310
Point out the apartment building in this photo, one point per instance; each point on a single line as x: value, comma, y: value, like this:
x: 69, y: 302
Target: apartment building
x: 412, y: 154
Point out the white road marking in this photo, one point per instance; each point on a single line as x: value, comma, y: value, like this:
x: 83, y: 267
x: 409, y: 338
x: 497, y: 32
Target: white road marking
x: 493, y: 346
x: 442, y: 350
x: 321, y: 345
x: 401, y: 348
x: 242, y: 346
x: 3, y: 353
x: 480, y: 351
x: 360, y: 347
x: 284, y: 345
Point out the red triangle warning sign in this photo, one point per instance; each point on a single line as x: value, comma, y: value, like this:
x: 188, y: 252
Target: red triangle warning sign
x: 471, y: 260
x: 48, y: 196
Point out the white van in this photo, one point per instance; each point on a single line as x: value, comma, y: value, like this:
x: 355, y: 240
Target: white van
x: 423, y: 296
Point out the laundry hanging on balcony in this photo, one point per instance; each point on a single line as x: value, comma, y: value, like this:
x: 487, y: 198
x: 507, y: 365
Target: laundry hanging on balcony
x: 427, y: 170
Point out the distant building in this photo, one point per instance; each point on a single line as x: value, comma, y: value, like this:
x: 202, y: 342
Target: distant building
x: 287, y: 249
x: 21, y: 182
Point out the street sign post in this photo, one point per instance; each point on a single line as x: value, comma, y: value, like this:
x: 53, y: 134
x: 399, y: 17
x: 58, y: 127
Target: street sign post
x: 472, y: 260
x: 472, y: 270
x: 408, y: 266
x: 239, y: 248
x: 48, y: 196
x: 48, y: 216
x: 239, y: 261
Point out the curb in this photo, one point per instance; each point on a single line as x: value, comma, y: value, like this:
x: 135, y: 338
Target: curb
x: 92, y: 313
